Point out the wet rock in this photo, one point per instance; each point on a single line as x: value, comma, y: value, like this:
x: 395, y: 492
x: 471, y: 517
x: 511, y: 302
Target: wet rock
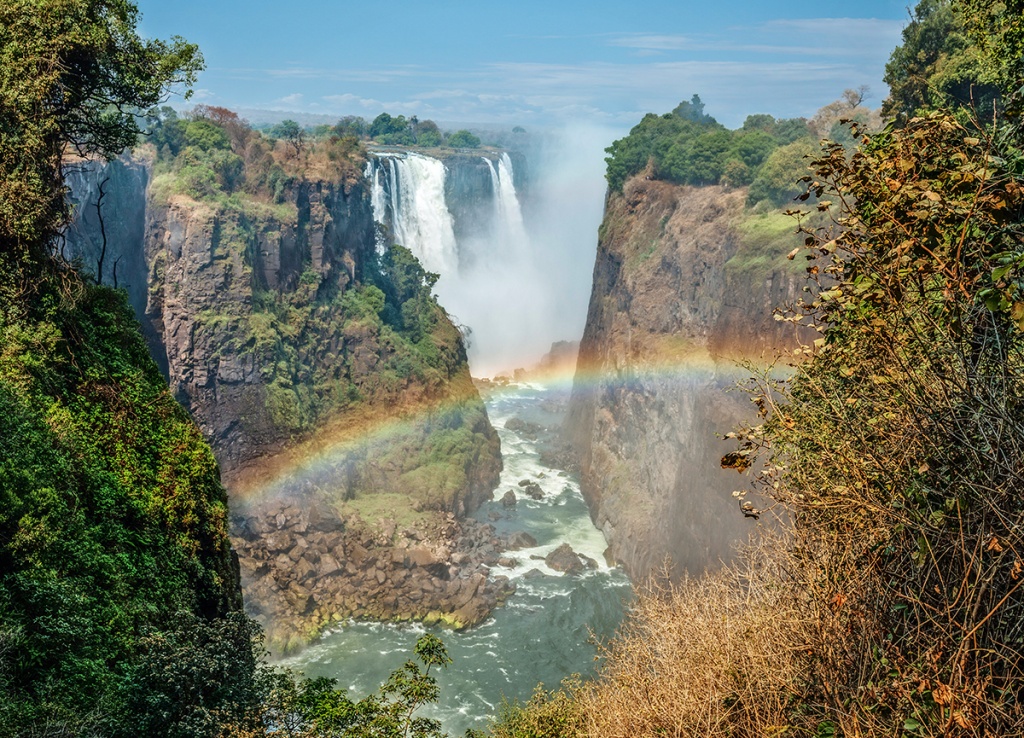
x: 519, y: 539
x: 524, y: 428
x: 564, y: 559
x: 509, y: 499
x: 532, y: 489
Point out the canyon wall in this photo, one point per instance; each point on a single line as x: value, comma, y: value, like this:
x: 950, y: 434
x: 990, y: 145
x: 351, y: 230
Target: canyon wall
x: 682, y: 293
x: 325, y: 377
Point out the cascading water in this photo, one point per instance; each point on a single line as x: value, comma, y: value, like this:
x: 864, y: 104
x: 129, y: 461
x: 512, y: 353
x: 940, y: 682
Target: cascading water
x: 418, y: 215
x: 519, y: 273
x: 508, y: 228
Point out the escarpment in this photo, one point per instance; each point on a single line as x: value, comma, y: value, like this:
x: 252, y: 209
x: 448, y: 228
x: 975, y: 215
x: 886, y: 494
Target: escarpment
x: 324, y: 375
x: 683, y: 290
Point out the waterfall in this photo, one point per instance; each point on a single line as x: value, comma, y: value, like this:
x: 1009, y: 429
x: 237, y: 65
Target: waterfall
x: 412, y: 202
x: 378, y: 199
x: 510, y: 214
x: 508, y: 217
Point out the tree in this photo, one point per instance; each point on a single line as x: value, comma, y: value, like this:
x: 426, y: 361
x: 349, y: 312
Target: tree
x: 291, y: 132
x: 72, y: 76
x: 463, y: 140
x: 778, y: 178
x: 692, y: 110
x: 936, y: 65
x: 898, y: 447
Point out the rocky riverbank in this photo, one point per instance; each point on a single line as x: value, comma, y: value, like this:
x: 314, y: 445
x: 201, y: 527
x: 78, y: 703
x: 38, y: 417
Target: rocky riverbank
x: 304, y: 567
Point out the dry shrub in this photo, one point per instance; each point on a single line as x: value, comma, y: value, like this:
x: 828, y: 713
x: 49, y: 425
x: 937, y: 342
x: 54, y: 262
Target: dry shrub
x: 710, y: 656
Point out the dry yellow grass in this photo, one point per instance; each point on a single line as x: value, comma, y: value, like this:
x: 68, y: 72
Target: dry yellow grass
x: 709, y: 656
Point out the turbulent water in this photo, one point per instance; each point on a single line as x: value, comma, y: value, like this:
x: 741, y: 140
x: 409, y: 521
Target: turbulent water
x: 542, y: 634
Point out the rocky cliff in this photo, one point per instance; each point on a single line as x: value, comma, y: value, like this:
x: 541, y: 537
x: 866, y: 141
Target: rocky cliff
x: 291, y: 339
x: 684, y: 285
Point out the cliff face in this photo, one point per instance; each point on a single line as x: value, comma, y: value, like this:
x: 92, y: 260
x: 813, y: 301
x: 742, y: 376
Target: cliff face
x: 120, y: 189
x: 209, y: 268
x: 325, y: 377
x: 680, y: 294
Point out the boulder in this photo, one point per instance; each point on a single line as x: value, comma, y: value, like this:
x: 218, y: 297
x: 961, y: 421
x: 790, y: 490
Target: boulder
x: 422, y: 556
x: 519, y: 539
x: 564, y: 559
x: 532, y: 490
x: 509, y: 499
x: 523, y: 427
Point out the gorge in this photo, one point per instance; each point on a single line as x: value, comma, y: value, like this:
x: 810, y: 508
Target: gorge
x: 363, y: 491
x: 331, y: 427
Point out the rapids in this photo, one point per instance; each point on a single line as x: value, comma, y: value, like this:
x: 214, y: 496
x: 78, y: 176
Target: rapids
x: 542, y: 634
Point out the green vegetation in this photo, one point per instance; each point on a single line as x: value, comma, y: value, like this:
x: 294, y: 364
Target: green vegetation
x: 119, y: 596
x: 113, y: 520
x: 313, y: 708
x: 937, y: 65
x: 70, y: 74
x: 385, y: 129
x: 766, y: 239
x: 687, y: 146
x: 463, y: 140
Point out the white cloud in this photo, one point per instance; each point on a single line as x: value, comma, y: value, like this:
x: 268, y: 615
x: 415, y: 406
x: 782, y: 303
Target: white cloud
x: 782, y: 67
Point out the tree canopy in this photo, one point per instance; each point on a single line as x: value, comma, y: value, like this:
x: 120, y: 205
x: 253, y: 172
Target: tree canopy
x: 73, y: 76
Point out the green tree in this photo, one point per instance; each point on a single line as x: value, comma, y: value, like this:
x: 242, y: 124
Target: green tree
x: 72, y: 73
x: 777, y: 181
x: 463, y: 140
x: 692, y: 110
x: 937, y: 65
x: 291, y: 132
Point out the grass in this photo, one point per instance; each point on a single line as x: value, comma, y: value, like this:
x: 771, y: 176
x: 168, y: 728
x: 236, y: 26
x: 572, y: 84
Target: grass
x: 764, y: 241
x: 376, y: 507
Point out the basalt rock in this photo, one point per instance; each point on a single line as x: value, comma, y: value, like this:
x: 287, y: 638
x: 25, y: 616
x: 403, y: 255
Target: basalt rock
x: 679, y: 295
x: 564, y: 559
x: 342, y: 569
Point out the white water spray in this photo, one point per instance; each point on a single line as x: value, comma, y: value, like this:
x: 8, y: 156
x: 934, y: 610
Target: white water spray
x: 419, y: 217
x: 520, y: 280
x: 508, y: 227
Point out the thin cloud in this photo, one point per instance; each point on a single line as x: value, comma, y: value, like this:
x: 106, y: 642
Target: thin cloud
x: 848, y: 37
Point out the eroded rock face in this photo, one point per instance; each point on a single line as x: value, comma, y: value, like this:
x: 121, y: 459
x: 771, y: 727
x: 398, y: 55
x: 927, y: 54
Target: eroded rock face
x: 205, y: 267
x: 669, y: 316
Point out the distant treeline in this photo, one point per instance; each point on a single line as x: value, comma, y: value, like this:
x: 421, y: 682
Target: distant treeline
x: 384, y: 129
x: 687, y: 146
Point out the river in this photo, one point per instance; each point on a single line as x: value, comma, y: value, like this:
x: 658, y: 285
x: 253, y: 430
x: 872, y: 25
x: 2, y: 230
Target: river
x: 546, y: 630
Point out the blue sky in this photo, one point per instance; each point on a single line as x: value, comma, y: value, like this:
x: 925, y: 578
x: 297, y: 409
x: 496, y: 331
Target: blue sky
x: 529, y: 62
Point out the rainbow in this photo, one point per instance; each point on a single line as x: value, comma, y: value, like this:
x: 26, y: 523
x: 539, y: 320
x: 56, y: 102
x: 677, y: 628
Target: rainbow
x: 319, y: 462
